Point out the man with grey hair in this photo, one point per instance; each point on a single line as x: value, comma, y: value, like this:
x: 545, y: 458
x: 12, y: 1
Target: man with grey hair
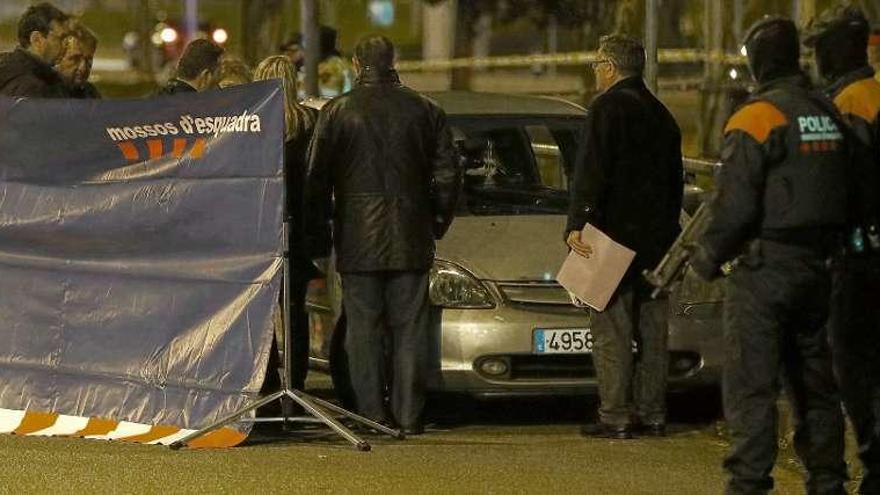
x: 628, y: 182
x: 75, y: 64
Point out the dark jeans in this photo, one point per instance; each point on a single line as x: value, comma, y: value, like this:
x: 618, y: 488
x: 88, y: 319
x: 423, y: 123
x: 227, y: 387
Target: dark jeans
x: 631, y: 386
x: 855, y: 342
x: 397, y: 303
x: 775, y: 315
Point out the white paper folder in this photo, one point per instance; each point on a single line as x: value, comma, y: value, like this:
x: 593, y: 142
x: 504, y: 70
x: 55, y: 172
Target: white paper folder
x: 593, y: 280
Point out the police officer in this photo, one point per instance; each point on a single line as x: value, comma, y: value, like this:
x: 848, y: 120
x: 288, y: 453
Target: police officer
x: 779, y: 210
x: 840, y: 39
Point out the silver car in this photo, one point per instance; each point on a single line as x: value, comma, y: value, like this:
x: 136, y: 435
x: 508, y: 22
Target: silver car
x: 502, y: 326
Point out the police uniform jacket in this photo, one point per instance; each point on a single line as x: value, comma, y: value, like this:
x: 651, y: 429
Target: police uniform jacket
x: 857, y: 97
x: 384, y: 154
x: 784, y: 174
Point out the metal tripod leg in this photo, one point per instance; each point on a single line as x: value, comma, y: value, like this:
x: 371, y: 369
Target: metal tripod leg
x: 312, y: 405
x: 336, y: 426
x: 360, y: 419
x: 307, y: 404
x: 232, y: 418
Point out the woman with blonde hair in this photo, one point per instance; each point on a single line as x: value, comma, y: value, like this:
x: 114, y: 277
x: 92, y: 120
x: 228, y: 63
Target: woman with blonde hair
x: 233, y: 72
x: 299, y: 124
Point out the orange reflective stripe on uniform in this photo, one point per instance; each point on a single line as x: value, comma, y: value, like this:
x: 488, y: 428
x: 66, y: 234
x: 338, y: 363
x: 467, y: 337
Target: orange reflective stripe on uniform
x: 862, y: 99
x: 757, y: 120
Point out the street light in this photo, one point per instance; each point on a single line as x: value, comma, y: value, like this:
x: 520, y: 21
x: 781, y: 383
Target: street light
x: 220, y: 36
x: 168, y: 35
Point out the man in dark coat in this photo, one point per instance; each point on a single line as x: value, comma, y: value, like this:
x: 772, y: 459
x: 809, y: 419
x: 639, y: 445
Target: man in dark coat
x: 27, y: 70
x: 628, y: 183
x: 197, y: 69
x: 384, y: 154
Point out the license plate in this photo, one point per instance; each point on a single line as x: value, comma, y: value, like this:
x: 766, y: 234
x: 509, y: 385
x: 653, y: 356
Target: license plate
x: 562, y: 341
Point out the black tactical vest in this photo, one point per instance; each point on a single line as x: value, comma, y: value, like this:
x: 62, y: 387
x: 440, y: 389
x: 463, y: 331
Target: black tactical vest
x: 806, y: 182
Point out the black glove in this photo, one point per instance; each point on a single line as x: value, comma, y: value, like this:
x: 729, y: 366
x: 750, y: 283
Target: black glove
x: 702, y: 263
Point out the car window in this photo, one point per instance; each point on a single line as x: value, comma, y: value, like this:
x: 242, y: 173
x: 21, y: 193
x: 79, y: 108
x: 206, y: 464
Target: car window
x: 515, y: 166
x: 550, y: 160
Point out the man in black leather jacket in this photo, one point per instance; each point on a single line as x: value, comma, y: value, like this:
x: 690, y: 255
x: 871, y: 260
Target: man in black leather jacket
x: 780, y: 208
x: 381, y: 165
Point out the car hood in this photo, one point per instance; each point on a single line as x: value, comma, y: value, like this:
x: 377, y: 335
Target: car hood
x: 507, y: 248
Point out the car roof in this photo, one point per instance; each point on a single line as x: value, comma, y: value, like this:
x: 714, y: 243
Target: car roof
x: 461, y: 103
x: 465, y: 103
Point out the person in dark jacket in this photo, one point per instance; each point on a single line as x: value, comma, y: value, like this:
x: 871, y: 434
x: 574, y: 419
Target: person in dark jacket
x: 75, y: 64
x: 299, y: 128
x: 840, y: 39
x: 197, y: 69
x: 776, y: 219
x: 628, y: 183
x: 384, y: 154
x: 27, y: 71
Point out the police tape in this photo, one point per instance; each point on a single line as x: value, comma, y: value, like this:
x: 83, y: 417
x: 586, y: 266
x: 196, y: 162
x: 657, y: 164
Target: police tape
x: 666, y: 56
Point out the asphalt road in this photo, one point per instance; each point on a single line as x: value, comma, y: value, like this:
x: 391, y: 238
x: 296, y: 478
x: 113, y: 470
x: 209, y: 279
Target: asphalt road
x: 509, y: 446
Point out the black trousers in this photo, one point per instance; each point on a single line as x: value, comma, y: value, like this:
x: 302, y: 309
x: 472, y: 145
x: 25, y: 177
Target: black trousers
x: 775, y: 315
x: 631, y: 386
x: 855, y: 341
x: 396, y: 303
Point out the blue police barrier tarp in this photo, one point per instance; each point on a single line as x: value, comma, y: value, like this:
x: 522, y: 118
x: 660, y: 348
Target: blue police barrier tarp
x: 140, y: 260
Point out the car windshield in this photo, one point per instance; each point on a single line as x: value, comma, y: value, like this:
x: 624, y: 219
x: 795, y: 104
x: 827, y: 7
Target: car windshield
x: 515, y: 166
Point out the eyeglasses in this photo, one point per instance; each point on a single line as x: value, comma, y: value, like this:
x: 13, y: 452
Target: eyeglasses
x: 597, y: 63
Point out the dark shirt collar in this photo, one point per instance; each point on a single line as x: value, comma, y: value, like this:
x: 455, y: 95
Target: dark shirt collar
x: 798, y: 80
x: 180, y: 82
x: 631, y: 82
x: 373, y: 77
x: 40, y: 68
x: 844, y: 81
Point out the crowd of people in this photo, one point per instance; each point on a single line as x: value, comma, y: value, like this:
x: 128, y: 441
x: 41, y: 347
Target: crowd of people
x: 793, y: 227
x: 53, y: 58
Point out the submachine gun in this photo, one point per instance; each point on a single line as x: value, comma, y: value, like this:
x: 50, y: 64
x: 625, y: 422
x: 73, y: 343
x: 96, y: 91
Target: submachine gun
x: 673, y: 265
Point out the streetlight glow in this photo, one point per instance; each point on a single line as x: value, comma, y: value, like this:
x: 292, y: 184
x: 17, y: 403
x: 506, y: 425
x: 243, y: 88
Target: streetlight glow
x: 168, y: 35
x: 220, y: 36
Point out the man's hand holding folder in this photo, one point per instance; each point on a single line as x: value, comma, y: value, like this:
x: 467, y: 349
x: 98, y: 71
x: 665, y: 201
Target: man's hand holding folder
x: 594, y: 267
x: 577, y: 245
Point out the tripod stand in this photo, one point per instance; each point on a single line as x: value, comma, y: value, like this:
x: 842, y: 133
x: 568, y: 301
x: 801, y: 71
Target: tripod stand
x: 319, y: 410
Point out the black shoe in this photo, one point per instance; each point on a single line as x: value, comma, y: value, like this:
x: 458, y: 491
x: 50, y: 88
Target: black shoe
x: 413, y: 430
x: 604, y: 430
x: 654, y: 429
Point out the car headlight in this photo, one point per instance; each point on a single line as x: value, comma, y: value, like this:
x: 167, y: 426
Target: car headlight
x: 453, y: 287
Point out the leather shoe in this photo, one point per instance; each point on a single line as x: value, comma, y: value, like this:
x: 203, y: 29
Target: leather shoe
x: 413, y: 430
x: 604, y: 430
x: 654, y: 429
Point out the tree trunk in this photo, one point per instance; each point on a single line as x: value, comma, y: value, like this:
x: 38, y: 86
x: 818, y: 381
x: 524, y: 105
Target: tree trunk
x: 712, y: 92
x: 465, y: 17
x: 629, y: 17
x: 261, y: 28
x: 145, y: 21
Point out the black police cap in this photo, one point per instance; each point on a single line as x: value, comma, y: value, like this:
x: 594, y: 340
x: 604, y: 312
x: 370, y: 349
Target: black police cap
x: 845, y: 20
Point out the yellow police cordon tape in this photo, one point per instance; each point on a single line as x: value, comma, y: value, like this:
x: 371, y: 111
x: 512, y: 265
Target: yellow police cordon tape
x: 668, y: 56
